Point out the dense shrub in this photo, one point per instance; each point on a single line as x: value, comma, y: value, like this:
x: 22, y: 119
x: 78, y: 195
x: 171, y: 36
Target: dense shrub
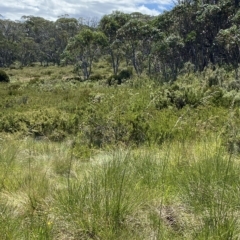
x: 139, y: 113
x: 123, y: 75
x: 212, y: 80
x: 101, y: 66
x: 96, y: 77
x: 112, y: 79
x: 75, y: 78
x: 234, y: 85
x: 50, y: 123
x: 177, y: 96
x: 215, y: 77
x: 4, y: 77
x: 48, y: 72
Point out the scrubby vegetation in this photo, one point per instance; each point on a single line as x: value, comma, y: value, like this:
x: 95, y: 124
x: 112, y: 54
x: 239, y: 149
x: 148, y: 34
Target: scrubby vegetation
x: 3, y: 76
x: 140, y: 160
x: 128, y: 129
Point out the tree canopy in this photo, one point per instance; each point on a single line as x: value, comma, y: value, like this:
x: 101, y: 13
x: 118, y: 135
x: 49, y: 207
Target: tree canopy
x: 195, y: 32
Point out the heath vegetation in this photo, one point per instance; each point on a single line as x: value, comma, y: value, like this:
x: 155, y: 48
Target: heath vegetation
x: 123, y: 129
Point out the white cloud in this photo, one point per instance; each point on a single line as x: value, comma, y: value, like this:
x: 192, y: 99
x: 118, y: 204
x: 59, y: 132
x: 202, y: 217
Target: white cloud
x: 51, y: 9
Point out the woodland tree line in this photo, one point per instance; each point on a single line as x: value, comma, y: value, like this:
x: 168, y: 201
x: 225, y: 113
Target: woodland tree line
x: 193, y: 34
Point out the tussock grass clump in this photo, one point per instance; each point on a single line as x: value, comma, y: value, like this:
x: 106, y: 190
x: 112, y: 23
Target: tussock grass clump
x: 183, y: 190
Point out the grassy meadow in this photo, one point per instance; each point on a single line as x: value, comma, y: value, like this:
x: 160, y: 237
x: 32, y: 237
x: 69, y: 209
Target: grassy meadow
x: 142, y: 160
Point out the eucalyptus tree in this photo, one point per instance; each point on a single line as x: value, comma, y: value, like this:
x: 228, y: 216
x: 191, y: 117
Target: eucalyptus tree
x: 7, y: 52
x: 10, y: 30
x: 169, y: 52
x: 84, y: 48
x: 68, y: 26
x: 135, y: 35
x: 164, y: 23
x: 27, y: 50
x: 229, y: 39
x: 110, y: 24
x: 10, y: 36
x: 197, y: 23
x: 42, y: 33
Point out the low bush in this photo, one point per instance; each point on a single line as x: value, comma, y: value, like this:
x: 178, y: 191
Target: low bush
x: 4, y: 77
x: 96, y: 77
x: 111, y: 80
x: 123, y: 75
x: 50, y: 123
x: 234, y: 85
x: 48, y: 72
x: 75, y: 78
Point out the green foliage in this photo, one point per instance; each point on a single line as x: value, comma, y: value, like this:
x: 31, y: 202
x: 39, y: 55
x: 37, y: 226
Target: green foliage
x: 234, y: 85
x: 85, y: 48
x: 112, y: 79
x: 178, y: 96
x: 4, y: 77
x: 206, y: 184
x: 96, y: 77
x: 156, y: 46
x: 124, y: 74
x: 183, y: 190
x: 126, y: 115
x: 172, y: 171
x: 49, y: 123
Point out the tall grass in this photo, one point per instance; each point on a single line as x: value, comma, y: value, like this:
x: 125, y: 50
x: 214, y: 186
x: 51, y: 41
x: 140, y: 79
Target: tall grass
x: 183, y: 190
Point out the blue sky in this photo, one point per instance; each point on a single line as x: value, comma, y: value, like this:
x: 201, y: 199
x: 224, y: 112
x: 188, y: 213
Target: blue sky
x: 156, y: 6
x: 151, y: 5
x: 52, y: 9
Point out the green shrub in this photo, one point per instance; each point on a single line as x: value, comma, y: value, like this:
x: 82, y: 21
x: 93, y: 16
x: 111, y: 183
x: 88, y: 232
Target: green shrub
x: 112, y: 79
x: 215, y: 77
x: 123, y: 75
x: 234, y: 85
x: 35, y: 80
x: 12, y: 66
x: 49, y: 123
x: 101, y: 66
x: 48, y: 72
x: 212, y: 81
x: 216, y: 95
x: 96, y: 77
x: 73, y: 79
x: 4, y: 77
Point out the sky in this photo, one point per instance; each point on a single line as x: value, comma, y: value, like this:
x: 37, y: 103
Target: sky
x: 53, y: 9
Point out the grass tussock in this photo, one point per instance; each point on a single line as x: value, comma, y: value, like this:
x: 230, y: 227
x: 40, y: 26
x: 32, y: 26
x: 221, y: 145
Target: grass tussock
x: 179, y: 191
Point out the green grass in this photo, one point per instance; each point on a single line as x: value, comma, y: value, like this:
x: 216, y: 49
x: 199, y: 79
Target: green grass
x: 179, y: 191
x: 138, y: 161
